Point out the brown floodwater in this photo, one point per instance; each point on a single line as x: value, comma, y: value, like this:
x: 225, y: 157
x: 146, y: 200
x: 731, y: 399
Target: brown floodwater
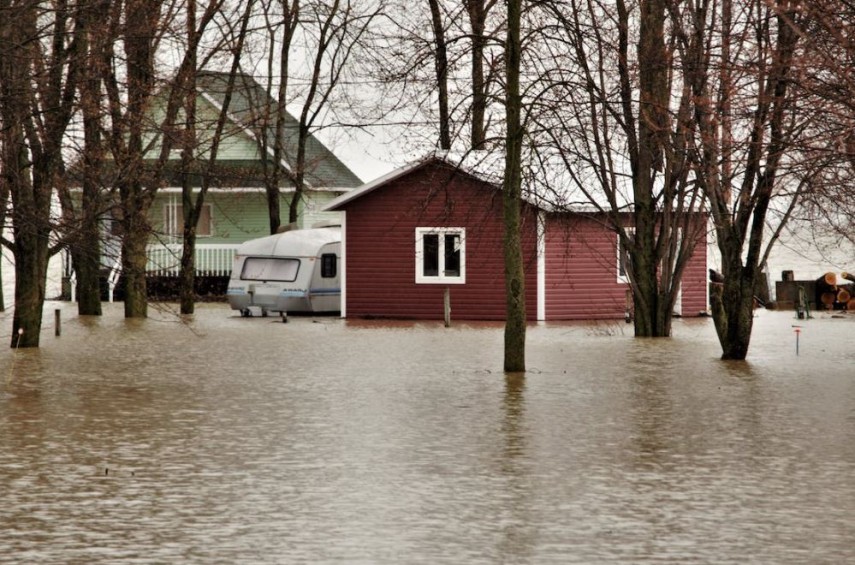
x: 223, y: 439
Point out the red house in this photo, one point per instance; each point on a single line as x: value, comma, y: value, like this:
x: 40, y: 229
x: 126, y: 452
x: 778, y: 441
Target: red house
x: 432, y: 226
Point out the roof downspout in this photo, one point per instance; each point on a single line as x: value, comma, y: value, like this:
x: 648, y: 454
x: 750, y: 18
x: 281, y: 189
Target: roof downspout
x: 541, y: 265
x: 343, y: 296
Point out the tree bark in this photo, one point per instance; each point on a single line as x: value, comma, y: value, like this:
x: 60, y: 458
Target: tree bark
x: 478, y: 11
x: 441, y: 68
x: 38, y: 75
x: 515, y: 324
x: 134, y: 260
x: 86, y: 247
x: 653, y: 129
x: 733, y: 317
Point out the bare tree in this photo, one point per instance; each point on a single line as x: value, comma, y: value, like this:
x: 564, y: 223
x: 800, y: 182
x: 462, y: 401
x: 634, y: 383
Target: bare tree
x: 82, y: 218
x: 327, y: 35
x: 134, y: 136
x: 479, y: 11
x: 192, y: 205
x: 38, y: 73
x: 740, y: 179
x: 441, y: 65
x: 826, y: 81
x: 514, y: 274
x: 610, y: 127
x: 441, y: 73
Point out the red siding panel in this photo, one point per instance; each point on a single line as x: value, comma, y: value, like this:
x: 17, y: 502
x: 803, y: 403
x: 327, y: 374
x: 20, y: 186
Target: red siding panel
x: 694, y: 286
x: 582, y: 272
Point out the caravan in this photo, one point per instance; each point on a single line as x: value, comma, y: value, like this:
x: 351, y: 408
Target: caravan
x: 292, y: 271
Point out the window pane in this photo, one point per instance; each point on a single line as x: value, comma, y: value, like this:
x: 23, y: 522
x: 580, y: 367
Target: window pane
x: 328, y: 265
x: 174, y: 221
x: 624, y: 259
x: 452, y: 255
x: 267, y: 269
x: 430, y: 255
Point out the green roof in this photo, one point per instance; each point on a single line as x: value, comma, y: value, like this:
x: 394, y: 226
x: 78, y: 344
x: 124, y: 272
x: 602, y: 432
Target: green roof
x: 249, y: 99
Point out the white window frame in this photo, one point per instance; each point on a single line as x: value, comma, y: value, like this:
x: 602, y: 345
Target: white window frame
x: 173, y: 217
x: 441, y: 277
x: 623, y: 278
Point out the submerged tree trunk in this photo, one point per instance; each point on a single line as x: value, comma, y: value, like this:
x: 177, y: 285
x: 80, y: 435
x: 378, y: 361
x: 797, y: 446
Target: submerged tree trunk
x: 37, y: 82
x: 86, y: 247
x: 515, y: 325
x: 732, y: 304
x: 30, y: 279
x: 4, y: 200
x: 86, y: 258
x: 134, y: 259
x: 187, y: 282
x: 653, y: 131
x: 733, y: 309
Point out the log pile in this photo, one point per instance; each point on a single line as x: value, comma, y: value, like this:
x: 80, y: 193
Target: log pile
x: 831, y: 296
x: 850, y: 292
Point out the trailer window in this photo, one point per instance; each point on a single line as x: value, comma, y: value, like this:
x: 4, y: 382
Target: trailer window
x: 270, y: 269
x: 328, y: 265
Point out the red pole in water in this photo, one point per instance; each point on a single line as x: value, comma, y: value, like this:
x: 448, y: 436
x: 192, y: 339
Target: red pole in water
x: 798, y: 330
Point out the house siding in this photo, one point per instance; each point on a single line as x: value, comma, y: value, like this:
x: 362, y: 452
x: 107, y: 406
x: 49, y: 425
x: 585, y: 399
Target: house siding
x: 581, y: 281
x: 380, y: 243
x: 695, y: 299
x: 581, y: 271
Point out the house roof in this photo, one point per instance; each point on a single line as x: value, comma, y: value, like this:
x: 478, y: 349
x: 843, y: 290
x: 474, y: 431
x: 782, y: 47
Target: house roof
x: 487, y: 167
x: 249, y: 99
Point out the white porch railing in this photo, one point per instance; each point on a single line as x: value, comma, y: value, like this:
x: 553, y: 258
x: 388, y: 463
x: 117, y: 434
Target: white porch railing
x: 165, y: 260
x: 211, y: 259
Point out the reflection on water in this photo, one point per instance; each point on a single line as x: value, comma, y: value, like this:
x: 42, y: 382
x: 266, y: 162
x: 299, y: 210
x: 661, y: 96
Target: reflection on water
x: 226, y: 439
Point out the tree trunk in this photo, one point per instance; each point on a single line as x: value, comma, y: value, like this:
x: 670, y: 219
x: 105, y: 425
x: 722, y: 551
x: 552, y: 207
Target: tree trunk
x: 31, y: 258
x: 4, y: 199
x: 134, y: 261
x: 86, y: 250
x: 187, y: 295
x: 652, y: 317
x: 732, y: 305
x: 86, y: 259
x: 515, y: 325
x: 477, y: 20
x: 441, y: 67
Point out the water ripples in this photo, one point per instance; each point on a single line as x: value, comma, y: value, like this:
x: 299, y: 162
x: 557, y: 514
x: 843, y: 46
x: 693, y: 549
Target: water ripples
x: 223, y: 439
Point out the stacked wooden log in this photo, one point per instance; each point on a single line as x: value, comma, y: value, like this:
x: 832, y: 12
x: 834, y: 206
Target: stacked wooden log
x: 831, y: 296
x: 849, y: 293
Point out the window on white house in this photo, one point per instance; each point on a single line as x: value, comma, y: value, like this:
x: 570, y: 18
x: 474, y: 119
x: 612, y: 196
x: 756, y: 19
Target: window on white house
x: 623, y: 257
x: 441, y: 255
x: 173, y: 220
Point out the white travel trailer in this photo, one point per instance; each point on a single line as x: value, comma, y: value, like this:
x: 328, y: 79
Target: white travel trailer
x: 292, y: 271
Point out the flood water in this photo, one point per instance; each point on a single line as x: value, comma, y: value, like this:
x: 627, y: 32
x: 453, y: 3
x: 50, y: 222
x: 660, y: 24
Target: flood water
x: 223, y: 439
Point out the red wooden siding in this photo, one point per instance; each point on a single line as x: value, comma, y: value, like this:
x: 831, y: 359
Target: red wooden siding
x: 694, y: 285
x: 582, y: 272
x: 380, y: 247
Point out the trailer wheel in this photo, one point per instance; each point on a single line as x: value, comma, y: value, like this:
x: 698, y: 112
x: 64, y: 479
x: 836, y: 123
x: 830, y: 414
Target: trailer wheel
x: 246, y: 313
x: 263, y: 313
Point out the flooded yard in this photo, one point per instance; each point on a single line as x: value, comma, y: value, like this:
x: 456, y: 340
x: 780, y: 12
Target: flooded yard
x: 223, y: 439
